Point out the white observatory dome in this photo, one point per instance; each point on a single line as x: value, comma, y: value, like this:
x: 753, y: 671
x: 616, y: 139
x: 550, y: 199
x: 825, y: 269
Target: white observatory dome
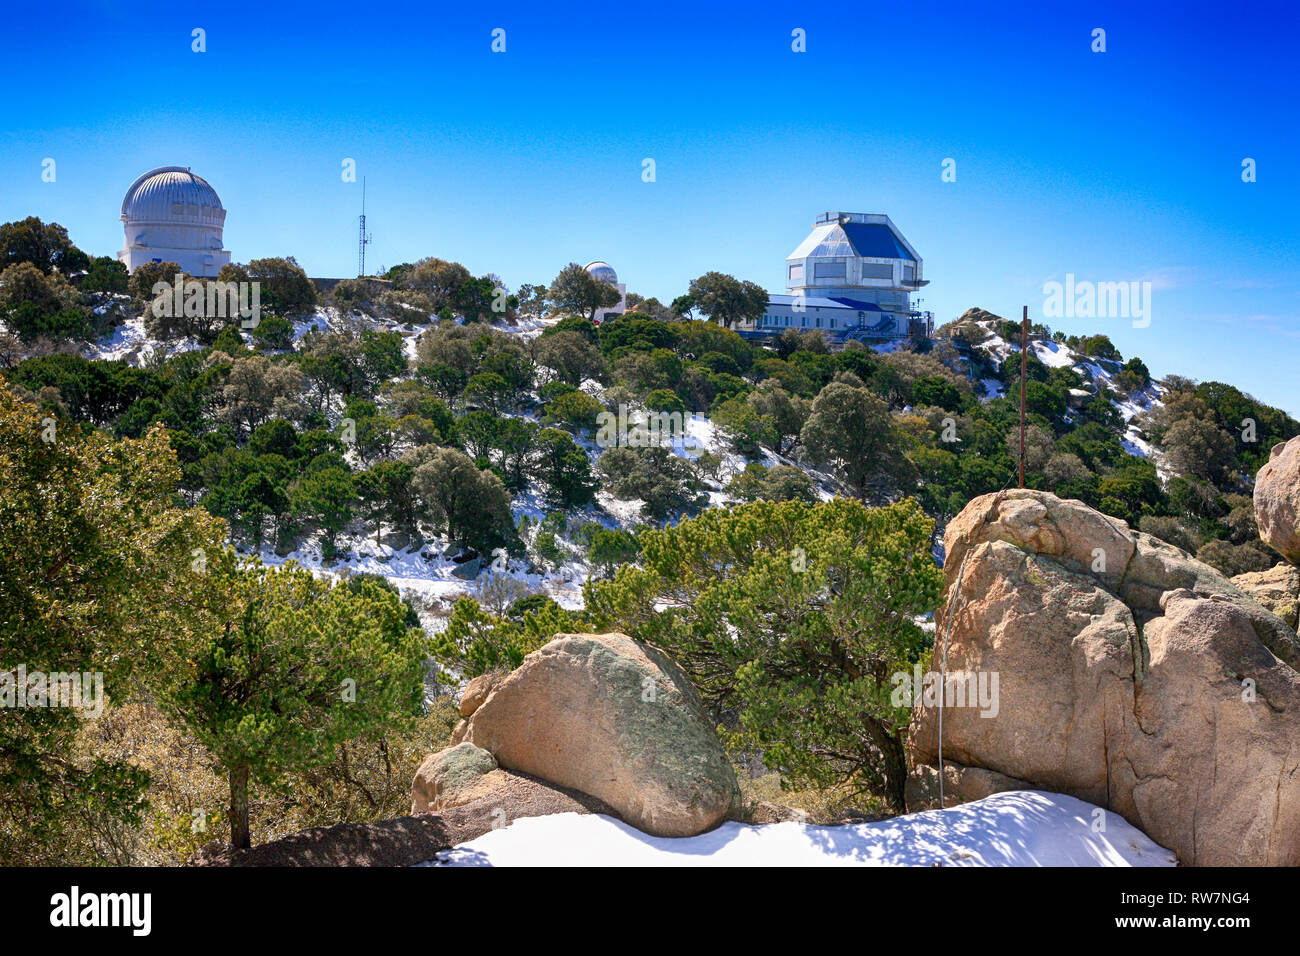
x: 171, y: 215
x: 602, y: 271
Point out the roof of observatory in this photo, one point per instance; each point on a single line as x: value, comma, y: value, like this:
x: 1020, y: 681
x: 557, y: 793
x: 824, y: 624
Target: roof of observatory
x: 172, y: 194
x: 602, y: 270
x: 872, y: 240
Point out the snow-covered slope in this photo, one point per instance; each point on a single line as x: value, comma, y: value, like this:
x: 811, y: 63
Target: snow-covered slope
x: 1019, y: 828
x: 1096, y: 372
x: 425, y: 575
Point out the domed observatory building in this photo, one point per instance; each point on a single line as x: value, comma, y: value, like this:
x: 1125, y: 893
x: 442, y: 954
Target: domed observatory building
x: 605, y: 273
x: 171, y: 215
x: 852, y: 277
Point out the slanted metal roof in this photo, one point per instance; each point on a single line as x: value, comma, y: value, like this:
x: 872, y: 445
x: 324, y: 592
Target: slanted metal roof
x: 875, y: 241
x: 866, y: 239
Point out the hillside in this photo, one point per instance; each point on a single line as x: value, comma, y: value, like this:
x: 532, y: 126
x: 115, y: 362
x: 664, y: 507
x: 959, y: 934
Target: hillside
x: 1100, y: 404
x: 1091, y: 413
x: 463, y: 483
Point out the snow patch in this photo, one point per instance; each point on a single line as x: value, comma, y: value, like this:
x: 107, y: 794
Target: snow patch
x: 1017, y: 828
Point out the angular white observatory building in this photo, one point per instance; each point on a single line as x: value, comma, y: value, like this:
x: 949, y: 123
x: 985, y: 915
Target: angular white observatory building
x: 852, y: 277
x: 605, y: 273
x: 171, y: 215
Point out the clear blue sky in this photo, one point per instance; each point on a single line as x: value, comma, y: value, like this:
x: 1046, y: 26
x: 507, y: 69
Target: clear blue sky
x: 1117, y: 166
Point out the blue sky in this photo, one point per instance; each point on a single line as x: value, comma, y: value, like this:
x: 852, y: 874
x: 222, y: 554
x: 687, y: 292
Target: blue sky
x: 1115, y: 166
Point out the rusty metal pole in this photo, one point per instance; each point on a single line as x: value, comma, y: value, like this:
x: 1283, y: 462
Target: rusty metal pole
x: 1024, y: 357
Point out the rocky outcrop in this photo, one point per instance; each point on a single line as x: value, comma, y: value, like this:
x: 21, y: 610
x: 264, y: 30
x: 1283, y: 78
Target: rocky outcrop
x: 1277, y: 500
x: 450, y: 778
x: 1129, y: 675
x: 605, y: 715
x: 765, y: 811
x: 477, y: 691
x: 960, y: 785
x: 1277, y: 589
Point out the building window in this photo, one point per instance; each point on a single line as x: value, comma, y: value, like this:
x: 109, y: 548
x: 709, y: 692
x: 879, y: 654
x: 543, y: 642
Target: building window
x: 829, y: 270
x: 796, y: 273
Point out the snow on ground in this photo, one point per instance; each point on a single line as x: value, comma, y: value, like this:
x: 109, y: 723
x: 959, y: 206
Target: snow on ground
x: 525, y: 326
x: 130, y: 343
x: 1019, y: 828
x: 318, y: 321
x: 430, y: 580
x: 1053, y: 354
x: 1129, y: 409
x: 894, y: 345
x: 998, y: 347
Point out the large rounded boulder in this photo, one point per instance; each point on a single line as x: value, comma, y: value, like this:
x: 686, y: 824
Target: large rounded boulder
x: 1128, y: 674
x: 1277, y: 500
x: 613, y: 718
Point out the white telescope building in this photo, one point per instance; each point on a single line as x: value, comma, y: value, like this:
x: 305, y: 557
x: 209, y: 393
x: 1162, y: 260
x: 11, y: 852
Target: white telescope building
x: 605, y: 273
x: 171, y: 215
x: 852, y: 277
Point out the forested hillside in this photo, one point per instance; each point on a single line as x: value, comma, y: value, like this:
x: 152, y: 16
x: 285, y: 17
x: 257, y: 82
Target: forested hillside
x: 467, y: 470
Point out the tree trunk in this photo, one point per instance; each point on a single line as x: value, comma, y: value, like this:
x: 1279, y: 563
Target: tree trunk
x: 895, y: 771
x: 893, y: 761
x: 239, y: 808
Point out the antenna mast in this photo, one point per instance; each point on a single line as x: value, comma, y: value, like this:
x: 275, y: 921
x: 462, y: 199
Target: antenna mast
x: 1024, y: 356
x: 363, y: 238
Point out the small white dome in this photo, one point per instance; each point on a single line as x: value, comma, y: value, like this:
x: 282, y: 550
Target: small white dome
x: 172, y: 194
x: 602, y: 271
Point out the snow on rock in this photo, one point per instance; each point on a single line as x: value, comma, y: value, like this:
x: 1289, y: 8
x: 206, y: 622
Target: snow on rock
x: 1017, y: 828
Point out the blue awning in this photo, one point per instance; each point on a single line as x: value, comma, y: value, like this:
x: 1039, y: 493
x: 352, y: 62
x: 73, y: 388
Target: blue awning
x: 855, y: 304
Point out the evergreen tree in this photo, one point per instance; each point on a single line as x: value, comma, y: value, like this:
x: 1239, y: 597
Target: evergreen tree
x: 97, y: 567
x: 796, y: 617
x: 290, y: 668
